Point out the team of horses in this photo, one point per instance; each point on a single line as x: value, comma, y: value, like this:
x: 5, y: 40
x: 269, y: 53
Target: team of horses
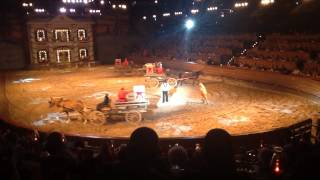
x: 77, y: 108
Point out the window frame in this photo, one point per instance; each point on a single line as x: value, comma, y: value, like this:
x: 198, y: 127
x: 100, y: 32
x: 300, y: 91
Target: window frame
x: 84, y: 37
x: 85, y: 52
x: 39, y: 55
x: 67, y: 31
x: 41, y: 39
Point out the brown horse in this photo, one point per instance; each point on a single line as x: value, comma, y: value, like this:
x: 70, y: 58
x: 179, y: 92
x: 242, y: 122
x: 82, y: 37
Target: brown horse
x: 68, y: 106
x: 193, y: 76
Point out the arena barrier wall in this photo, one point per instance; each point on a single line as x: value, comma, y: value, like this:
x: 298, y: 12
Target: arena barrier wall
x: 4, y: 109
x: 302, y: 84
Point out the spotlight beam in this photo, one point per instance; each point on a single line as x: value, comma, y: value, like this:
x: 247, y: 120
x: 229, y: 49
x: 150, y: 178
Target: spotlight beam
x: 189, y: 24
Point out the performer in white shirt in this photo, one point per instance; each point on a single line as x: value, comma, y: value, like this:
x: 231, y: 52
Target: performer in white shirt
x: 165, y: 88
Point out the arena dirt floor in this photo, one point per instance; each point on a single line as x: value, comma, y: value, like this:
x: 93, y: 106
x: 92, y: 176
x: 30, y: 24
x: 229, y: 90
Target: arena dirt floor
x: 237, y: 106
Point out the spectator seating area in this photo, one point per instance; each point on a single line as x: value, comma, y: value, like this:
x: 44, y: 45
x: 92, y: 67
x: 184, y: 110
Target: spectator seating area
x: 297, y: 54
x: 199, y: 47
x: 285, y: 153
x: 291, y: 54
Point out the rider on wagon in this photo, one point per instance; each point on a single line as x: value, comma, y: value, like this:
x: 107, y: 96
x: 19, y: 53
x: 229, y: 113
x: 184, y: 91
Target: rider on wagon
x: 105, y: 104
x: 159, y: 68
x: 122, y: 95
x: 125, y: 62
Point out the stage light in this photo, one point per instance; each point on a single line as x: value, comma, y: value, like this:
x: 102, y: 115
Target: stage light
x: 102, y: 2
x: 27, y: 4
x: 144, y: 17
x: 62, y: 10
x: 189, y: 24
x: 94, y: 11
x: 214, y: 8
x: 37, y: 10
x: 266, y: 2
x: 241, y: 5
x: 166, y: 14
x: 194, y: 11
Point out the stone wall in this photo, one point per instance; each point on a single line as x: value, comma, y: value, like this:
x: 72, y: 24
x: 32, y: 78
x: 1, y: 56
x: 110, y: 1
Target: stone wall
x: 12, y: 56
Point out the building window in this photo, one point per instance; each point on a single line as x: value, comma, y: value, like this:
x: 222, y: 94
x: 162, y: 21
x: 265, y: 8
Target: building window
x: 82, y: 34
x: 42, y: 56
x: 41, y: 35
x: 62, y: 35
x: 83, y: 53
x: 63, y: 55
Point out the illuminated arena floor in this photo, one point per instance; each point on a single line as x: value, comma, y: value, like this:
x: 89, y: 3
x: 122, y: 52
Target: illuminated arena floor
x: 237, y: 106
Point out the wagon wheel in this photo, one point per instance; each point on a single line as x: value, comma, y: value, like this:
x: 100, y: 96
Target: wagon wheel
x: 172, y: 82
x: 133, y: 117
x: 152, y: 82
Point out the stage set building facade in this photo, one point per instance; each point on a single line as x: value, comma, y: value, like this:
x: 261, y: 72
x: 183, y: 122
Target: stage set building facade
x: 60, y: 40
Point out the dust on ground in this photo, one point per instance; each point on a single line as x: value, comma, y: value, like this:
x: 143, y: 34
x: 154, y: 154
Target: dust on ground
x: 239, y: 107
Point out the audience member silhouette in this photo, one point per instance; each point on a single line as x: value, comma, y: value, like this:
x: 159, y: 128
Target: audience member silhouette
x: 218, y: 160
x: 178, y: 159
x: 58, y: 164
x: 142, y: 156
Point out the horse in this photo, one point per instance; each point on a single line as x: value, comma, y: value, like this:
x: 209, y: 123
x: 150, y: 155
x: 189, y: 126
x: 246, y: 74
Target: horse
x: 194, y: 76
x: 68, y: 106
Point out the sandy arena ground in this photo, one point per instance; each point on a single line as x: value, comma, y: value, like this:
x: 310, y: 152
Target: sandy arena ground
x: 237, y: 106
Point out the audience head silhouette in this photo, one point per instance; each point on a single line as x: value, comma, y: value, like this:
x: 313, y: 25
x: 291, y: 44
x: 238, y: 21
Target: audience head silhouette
x: 178, y: 156
x: 55, y: 143
x: 218, y: 150
x: 143, y: 144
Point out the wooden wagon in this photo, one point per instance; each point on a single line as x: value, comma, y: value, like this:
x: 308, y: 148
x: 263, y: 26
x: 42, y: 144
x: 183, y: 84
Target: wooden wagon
x: 155, y: 75
x: 132, y: 109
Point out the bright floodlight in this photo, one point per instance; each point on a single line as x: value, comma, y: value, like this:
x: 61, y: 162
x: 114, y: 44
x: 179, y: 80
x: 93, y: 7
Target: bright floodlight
x: 62, y: 9
x: 189, y: 24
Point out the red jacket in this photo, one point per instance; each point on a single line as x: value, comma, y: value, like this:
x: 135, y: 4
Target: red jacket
x: 159, y: 70
x: 125, y: 62
x: 122, y: 95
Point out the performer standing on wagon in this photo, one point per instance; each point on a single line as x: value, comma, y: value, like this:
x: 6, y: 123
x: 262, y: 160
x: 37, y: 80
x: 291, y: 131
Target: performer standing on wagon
x: 125, y: 62
x: 122, y: 95
x: 165, y: 88
x: 204, y: 93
